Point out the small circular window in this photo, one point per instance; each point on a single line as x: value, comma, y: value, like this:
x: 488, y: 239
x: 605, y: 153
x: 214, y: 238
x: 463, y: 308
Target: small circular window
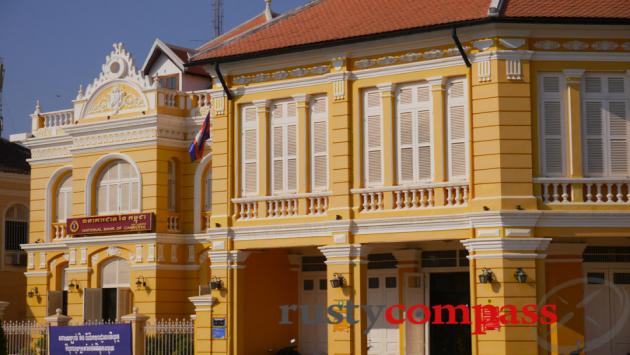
x: 114, y: 67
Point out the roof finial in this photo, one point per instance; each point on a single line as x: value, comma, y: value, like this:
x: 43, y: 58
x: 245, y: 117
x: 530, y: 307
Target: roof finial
x: 268, y: 13
x: 38, y: 108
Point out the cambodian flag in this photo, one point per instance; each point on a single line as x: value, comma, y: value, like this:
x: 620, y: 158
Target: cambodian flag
x: 196, y: 147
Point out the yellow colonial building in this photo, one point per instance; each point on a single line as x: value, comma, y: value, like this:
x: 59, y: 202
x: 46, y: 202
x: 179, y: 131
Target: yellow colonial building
x: 362, y: 152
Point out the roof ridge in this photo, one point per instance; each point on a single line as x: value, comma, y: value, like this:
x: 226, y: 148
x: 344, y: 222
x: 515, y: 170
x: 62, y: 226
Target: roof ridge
x: 261, y: 26
x: 230, y: 31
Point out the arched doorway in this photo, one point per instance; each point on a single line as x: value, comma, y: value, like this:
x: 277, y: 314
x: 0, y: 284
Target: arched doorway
x: 112, y: 299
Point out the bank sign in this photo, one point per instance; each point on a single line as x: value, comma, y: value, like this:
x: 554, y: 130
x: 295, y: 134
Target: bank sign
x: 91, y: 339
x: 124, y: 223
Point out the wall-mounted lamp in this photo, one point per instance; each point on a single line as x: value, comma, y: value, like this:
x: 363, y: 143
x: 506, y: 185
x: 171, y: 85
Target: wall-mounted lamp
x: 33, y: 292
x: 337, y: 281
x: 73, y: 285
x: 486, y: 276
x: 520, y: 275
x: 140, y: 282
x: 216, y: 284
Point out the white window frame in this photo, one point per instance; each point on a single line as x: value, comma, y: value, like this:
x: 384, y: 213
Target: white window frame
x: 415, y: 145
x: 466, y: 139
x: 368, y: 111
x: 317, y: 118
x: 247, y: 126
x: 284, y: 123
x: 560, y: 97
x: 64, y: 199
x: 605, y: 98
x: 117, y: 184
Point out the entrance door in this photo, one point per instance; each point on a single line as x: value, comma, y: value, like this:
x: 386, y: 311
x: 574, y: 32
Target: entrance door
x: 383, y: 338
x: 314, y: 334
x: 607, y: 312
x: 449, y: 288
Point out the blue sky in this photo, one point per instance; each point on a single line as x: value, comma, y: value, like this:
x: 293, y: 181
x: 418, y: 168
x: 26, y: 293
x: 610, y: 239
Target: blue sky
x: 51, y: 46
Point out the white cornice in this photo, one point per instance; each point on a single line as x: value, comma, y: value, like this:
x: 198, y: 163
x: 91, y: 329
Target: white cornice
x: 582, y: 56
x: 184, y: 239
x: 506, y: 244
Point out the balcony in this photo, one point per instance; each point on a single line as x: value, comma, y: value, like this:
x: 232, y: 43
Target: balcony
x: 413, y: 197
x: 172, y: 223
x: 309, y: 204
x: 597, y: 191
x: 52, y: 123
x: 58, y: 231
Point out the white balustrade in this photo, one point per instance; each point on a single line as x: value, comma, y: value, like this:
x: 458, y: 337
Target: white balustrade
x: 59, y: 231
x: 58, y: 118
x: 282, y: 207
x: 594, y: 190
x: 409, y: 198
x: 456, y: 195
x: 413, y: 197
x: 172, y: 223
x: 317, y: 205
x: 246, y: 209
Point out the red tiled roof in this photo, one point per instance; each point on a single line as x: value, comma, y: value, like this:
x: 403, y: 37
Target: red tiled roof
x: 236, y: 31
x: 604, y: 9
x: 333, y: 20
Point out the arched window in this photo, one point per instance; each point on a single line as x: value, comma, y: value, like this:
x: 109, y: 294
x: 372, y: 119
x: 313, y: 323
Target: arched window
x: 118, y: 189
x: 15, y: 227
x: 115, y: 273
x: 64, y: 199
x: 172, y: 186
x: 207, y: 190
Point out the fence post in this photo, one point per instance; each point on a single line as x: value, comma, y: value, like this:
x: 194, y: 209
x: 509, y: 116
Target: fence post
x: 57, y: 319
x: 138, y: 322
x: 3, y: 306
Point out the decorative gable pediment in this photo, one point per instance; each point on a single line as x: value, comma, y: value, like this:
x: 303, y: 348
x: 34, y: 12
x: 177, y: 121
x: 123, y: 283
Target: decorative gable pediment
x: 119, y: 87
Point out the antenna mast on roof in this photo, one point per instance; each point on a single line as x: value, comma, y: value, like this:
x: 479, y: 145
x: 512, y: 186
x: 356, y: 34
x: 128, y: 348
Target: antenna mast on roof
x: 1, y: 88
x: 217, y: 17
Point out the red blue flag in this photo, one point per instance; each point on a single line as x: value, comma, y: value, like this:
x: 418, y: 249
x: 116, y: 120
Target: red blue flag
x: 196, y: 147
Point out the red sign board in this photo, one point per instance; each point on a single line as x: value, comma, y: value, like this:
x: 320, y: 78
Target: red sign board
x: 125, y: 223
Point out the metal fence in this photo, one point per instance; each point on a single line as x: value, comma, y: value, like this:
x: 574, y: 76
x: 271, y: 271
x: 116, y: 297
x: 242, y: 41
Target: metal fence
x: 25, y: 337
x: 169, y: 337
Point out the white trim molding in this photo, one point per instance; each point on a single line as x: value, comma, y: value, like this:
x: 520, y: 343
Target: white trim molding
x: 509, y: 245
x: 205, y: 161
x: 50, y: 191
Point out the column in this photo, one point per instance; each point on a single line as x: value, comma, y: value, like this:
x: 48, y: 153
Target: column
x: 573, y: 122
x: 203, y: 319
x: 138, y: 322
x: 303, y: 148
x: 228, y: 304
x: 502, y: 257
x: 347, y: 261
x: 439, y: 134
x: 389, y: 157
x: 222, y: 177
x: 59, y: 320
x: 340, y: 133
x: 565, y: 288
x: 262, y: 111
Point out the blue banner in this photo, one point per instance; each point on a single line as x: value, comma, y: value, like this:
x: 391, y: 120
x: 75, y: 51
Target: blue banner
x: 91, y: 339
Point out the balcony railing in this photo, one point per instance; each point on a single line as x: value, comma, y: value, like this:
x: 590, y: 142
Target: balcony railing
x: 52, y: 123
x: 172, y: 222
x: 59, y: 231
x: 413, y: 197
x: 309, y: 204
x: 585, y: 190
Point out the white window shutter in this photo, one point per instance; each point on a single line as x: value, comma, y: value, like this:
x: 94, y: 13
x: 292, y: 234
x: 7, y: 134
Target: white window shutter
x: 64, y: 199
x: 551, y: 125
x: 319, y: 143
x: 457, y: 135
x: 373, y: 139
x: 618, y: 127
x: 606, y: 126
x: 284, y: 147
x: 414, y: 113
x: 172, y: 186
x: 249, y: 156
x: 208, y: 190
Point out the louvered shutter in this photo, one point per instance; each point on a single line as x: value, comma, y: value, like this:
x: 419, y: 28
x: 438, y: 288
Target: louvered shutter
x: 319, y: 143
x: 551, y: 126
x: 284, y: 147
x: 249, y: 157
x: 456, y: 112
x: 373, y: 138
x: 606, y: 125
x: 208, y: 190
x: 414, y: 133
